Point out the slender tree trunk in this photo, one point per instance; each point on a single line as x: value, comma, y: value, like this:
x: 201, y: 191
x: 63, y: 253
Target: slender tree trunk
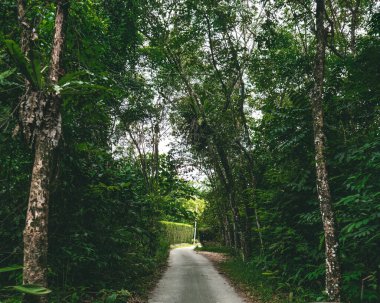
x: 259, y: 230
x: 222, y: 169
x: 354, y: 21
x: 248, y: 156
x: 247, y: 247
x: 25, y: 27
x: 333, y: 276
x: 252, y: 181
x: 223, y: 233
x: 235, y: 220
x: 156, y: 149
x: 40, y: 114
x: 230, y: 189
x: 227, y: 231
x: 142, y: 158
x: 257, y: 220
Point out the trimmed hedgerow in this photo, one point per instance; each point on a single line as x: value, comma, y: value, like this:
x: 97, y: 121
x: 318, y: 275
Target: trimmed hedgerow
x: 177, y: 232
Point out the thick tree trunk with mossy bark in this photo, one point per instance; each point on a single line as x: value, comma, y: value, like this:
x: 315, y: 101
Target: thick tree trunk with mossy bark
x: 41, y: 123
x: 35, y: 233
x: 36, y: 227
x: 333, y: 275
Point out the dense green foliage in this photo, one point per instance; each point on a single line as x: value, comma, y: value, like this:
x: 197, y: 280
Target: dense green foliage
x: 228, y: 84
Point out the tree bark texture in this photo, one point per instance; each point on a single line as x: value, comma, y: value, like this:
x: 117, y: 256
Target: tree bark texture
x: 247, y: 245
x: 36, y: 227
x: 228, y: 232
x: 25, y: 27
x: 333, y: 275
x: 41, y: 121
x: 156, y: 141
x: 354, y: 10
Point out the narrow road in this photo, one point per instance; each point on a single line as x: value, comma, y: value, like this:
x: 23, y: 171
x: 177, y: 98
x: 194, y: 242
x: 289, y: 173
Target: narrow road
x: 191, y: 278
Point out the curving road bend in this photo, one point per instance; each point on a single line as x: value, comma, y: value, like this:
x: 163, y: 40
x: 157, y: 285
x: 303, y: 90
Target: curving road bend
x: 191, y: 278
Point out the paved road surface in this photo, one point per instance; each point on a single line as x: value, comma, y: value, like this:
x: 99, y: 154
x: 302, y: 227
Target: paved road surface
x: 191, y: 278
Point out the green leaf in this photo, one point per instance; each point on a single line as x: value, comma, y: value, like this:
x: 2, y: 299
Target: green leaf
x: 36, y: 67
x: 111, y: 298
x: 31, y: 289
x: 72, y: 76
x: 21, y: 61
x: 79, y: 88
x: 10, y: 268
x: 5, y: 75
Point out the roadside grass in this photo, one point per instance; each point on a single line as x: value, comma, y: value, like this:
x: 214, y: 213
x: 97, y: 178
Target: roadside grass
x: 262, y: 286
x: 250, y: 279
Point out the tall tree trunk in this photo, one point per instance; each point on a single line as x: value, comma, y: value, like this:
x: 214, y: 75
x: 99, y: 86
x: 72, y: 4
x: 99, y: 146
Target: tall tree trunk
x: 40, y: 114
x: 333, y: 276
x: 235, y: 220
x: 246, y: 153
x: 227, y: 231
x: 247, y: 247
x: 354, y: 9
x: 222, y: 168
x: 142, y: 158
x: 25, y: 27
x: 36, y: 227
x: 259, y: 231
x: 156, y: 149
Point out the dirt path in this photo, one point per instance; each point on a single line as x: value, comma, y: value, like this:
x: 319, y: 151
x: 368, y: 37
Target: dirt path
x: 191, y: 278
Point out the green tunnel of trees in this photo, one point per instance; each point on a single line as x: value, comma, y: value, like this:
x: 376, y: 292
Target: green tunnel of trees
x: 260, y: 120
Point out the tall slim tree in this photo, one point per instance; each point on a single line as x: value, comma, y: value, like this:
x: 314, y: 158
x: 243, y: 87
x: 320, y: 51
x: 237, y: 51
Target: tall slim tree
x: 333, y: 275
x: 41, y: 123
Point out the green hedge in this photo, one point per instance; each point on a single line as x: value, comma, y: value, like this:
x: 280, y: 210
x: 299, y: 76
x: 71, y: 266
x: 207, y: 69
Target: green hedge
x: 176, y: 233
